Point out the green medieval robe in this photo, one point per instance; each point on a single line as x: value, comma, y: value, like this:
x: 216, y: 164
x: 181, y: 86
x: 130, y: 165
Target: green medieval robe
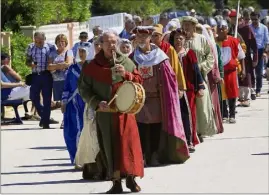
x: 206, y: 125
x: 118, y: 136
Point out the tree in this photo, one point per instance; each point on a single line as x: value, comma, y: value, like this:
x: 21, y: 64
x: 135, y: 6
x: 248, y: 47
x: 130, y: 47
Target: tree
x: 16, y: 13
x: 135, y: 7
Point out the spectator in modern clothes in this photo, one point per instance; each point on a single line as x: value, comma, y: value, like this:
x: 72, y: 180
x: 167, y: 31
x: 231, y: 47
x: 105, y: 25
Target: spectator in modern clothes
x: 97, y: 30
x: 164, y: 21
x: 12, y: 88
x: 37, y: 59
x: 127, y: 31
x: 59, y: 62
x: 262, y: 40
x: 83, y: 37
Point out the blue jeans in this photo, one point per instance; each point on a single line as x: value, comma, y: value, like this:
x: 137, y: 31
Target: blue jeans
x: 42, y: 83
x: 259, y: 71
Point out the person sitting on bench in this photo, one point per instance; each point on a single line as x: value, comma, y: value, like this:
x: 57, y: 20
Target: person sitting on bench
x: 12, y: 88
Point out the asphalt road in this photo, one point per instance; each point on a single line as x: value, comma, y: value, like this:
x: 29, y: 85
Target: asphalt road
x: 34, y: 160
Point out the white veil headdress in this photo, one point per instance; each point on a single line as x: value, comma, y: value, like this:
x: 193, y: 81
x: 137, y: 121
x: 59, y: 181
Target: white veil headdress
x: 85, y: 48
x: 211, y: 40
x: 126, y: 41
x: 89, y: 52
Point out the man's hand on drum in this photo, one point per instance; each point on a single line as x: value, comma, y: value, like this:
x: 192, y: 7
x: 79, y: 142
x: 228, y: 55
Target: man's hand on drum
x: 120, y: 70
x: 103, y: 106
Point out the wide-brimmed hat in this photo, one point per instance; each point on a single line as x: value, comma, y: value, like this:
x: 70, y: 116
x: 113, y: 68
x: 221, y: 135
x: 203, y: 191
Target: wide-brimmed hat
x: 189, y: 19
x: 158, y: 28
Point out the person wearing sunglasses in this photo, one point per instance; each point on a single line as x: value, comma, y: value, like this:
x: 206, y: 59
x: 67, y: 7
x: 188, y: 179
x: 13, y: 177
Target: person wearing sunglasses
x: 83, y: 37
x: 262, y: 40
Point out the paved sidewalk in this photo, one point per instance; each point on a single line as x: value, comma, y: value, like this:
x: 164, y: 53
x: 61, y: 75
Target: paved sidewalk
x: 34, y: 160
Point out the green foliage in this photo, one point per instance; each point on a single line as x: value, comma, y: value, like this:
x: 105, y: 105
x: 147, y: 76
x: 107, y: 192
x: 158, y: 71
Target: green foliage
x: 138, y: 7
x: 16, y: 13
x: 4, y: 49
x: 244, y: 3
x: 205, y: 7
x: 19, y: 43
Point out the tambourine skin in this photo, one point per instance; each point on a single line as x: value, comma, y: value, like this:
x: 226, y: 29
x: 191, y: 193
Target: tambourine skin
x: 131, y: 98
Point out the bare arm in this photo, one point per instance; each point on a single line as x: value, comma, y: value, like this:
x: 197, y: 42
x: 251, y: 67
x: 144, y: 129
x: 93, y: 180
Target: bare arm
x: 11, y: 72
x: 11, y: 85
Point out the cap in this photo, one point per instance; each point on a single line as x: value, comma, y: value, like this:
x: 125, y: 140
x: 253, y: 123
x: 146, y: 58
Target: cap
x: 144, y: 29
x: 189, y: 19
x: 193, y: 11
x: 233, y: 13
x: 158, y: 28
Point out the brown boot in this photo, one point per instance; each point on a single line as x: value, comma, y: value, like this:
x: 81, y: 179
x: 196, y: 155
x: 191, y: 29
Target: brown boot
x: 116, y: 188
x: 131, y: 184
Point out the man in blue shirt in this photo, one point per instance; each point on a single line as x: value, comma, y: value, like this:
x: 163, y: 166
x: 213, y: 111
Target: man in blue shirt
x: 127, y: 31
x: 262, y: 40
x: 37, y: 58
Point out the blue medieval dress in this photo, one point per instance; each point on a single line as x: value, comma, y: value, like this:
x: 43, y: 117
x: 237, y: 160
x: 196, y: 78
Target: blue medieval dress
x: 73, y: 116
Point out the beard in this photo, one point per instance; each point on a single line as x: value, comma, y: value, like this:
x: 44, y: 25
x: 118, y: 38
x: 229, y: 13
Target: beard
x: 142, y: 45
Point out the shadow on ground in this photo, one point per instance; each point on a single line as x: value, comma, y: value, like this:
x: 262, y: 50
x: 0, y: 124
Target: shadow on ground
x: 49, y: 148
x: 48, y: 182
x: 260, y: 154
x: 41, y: 172
x: 46, y: 165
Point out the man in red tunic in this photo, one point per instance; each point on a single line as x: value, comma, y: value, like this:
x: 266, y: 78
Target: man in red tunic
x: 118, y: 136
x: 231, y: 51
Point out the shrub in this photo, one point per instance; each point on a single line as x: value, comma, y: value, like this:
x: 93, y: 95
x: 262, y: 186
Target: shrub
x: 4, y: 49
x: 19, y: 44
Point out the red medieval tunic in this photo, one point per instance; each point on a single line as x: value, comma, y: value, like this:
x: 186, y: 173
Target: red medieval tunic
x: 231, y: 50
x: 127, y: 152
x: 194, y: 82
x: 250, y: 41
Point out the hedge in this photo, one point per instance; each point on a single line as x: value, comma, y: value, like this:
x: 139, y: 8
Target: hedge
x: 19, y: 43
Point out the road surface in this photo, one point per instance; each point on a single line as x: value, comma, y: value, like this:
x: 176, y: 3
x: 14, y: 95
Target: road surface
x: 34, y: 160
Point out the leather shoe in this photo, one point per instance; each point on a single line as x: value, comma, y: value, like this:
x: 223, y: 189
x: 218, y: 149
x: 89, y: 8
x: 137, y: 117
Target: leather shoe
x: 116, y: 188
x: 132, y: 185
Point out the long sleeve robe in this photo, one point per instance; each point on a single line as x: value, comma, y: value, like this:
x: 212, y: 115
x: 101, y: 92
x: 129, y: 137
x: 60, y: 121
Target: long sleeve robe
x: 73, y: 116
x: 118, y: 135
x: 206, y: 125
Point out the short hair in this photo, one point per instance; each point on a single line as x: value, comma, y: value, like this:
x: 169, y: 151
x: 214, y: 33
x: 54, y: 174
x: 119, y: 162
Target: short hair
x: 106, y: 33
x: 38, y: 33
x: 59, y: 37
x: 246, y: 12
x: 95, y: 28
x: 129, y: 21
x: 4, y: 56
x: 254, y: 14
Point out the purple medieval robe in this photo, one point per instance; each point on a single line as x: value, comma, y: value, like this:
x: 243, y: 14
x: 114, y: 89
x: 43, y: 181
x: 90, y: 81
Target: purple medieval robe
x: 163, y: 107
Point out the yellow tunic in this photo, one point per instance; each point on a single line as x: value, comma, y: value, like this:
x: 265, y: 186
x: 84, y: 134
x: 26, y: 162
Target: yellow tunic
x: 176, y: 65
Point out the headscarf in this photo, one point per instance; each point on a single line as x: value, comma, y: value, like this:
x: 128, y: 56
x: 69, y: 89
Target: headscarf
x: 88, y: 53
x: 125, y: 41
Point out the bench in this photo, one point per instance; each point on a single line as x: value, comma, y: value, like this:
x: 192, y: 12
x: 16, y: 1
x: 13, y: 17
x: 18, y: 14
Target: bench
x: 14, y: 104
